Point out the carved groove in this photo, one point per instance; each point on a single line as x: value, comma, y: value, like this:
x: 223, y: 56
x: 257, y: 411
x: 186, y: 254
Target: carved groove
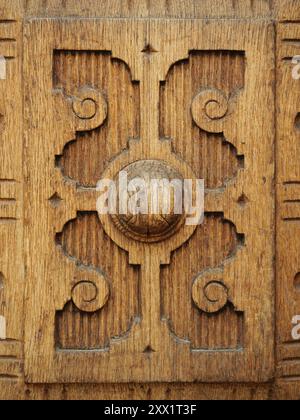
x: 8, y: 201
x: 297, y: 282
x: 2, y: 293
x: 8, y: 42
x: 210, y: 109
x: 297, y: 122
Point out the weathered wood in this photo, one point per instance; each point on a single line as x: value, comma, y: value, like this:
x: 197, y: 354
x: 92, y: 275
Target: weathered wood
x: 79, y: 102
x: 172, y: 357
x: 288, y: 182
x: 153, y: 8
x: 11, y: 197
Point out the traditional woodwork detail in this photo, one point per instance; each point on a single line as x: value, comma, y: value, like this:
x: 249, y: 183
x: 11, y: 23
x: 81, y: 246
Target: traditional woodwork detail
x: 55, y: 200
x: 211, y: 110
x: 161, y: 225
x: 90, y: 291
x: 89, y: 106
x: 115, y: 92
x: 207, y: 116
x: 8, y: 39
x: 198, y: 136
x: 192, y: 322
x: 210, y: 294
x: 222, y: 160
x: 11, y: 204
x: 160, y: 9
x: 118, y: 288
x: 8, y: 201
x: 138, y: 319
x: 288, y: 199
x: 11, y: 360
x: 86, y: 110
x: 90, y: 295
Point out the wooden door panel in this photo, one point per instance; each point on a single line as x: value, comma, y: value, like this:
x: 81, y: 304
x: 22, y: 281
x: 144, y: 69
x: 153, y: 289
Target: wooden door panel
x: 102, y: 303
x: 93, y: 307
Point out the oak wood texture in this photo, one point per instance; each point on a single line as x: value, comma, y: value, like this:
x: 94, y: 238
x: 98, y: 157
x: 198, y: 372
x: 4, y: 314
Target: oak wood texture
x: 221, y: 61
x: 288, y: 175
x: 153, y: 352
x: 11, y: 202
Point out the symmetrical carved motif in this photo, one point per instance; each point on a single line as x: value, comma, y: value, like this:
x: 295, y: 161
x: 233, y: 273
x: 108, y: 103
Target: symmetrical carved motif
x: 87, y: 106
x: 90, y: 296
x: 116, y: 280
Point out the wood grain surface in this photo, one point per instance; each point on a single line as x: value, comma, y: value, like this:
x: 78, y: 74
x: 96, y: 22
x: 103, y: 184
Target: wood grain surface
x: 91, y: 312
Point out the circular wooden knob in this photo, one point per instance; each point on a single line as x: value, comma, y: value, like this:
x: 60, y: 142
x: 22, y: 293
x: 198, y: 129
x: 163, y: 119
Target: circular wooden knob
x: 160, y: 212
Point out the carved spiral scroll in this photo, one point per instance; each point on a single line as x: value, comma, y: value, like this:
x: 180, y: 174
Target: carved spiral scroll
x: 91, y: 295
x: 90, y: 108
x: 210, y: 293
x: 211, y: 108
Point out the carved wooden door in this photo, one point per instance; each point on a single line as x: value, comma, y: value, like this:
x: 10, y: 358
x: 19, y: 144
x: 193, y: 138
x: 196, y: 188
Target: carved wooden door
x: 114, y: 299
x: 149, y: 306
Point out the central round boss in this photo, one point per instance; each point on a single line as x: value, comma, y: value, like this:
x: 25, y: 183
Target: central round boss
x: 162, y: 188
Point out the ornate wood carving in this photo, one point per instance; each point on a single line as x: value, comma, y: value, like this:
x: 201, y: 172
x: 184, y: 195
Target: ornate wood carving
x: 85, y: 330
x: 151, y: 227
x: 209, y: 65
x: 115, y: 281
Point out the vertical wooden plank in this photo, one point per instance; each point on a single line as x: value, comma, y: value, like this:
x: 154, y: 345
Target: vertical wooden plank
x: 11, y: 192
x: 288, y: 106
x: 288, y: 199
